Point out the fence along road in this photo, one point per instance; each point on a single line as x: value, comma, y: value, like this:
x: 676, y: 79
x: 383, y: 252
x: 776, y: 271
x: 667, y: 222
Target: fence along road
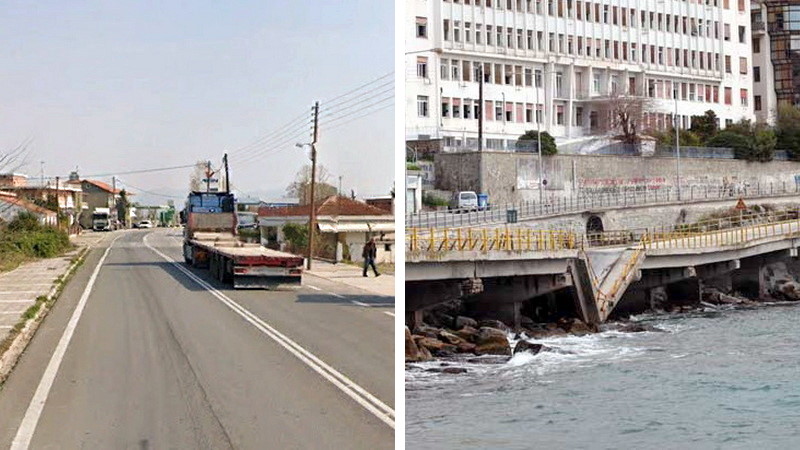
x: 583, y: 201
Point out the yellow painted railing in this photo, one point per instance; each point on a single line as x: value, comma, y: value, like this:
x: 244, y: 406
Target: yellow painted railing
x: 526, y: 239
x: 489, y: 239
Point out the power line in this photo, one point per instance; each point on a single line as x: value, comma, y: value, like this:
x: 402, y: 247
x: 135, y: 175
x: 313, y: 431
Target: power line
x: 383, y: 92
x: 360, y: 117
x: 294, y: 122
x: 334, y: 105
x: 146, y: 191
x: 360, y: 87
x: 351, y: 113
x: 271, y: 149
x: 157, y: 169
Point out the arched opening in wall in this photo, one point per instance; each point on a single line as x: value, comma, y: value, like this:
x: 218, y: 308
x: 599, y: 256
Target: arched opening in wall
x: 594, y: 226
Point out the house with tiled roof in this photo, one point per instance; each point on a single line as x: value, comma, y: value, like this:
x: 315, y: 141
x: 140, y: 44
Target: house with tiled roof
x: 343, y: 224
x: 53, y: 194
x: 96, y: 194
x: 11, y: 206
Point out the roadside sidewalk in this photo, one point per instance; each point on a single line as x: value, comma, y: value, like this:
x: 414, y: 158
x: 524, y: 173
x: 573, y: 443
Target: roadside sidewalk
x: 20, y: 287
x: 352, y: 276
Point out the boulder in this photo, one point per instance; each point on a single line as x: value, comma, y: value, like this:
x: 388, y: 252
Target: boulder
x: 435, y: 346
x: 468, y: 333
x: 639, y: 328
x: 462, y: 322
x: 413, y: 353
x: 461, y: 344
x: 576, y: 326
x: 494, y: 324
x: 450, y: 370
x: 425, y: 330
x: 489, y: 360
x: 491, y: 341
x: 526, y: 321
x: 790, y: 290
x: 525, y: 346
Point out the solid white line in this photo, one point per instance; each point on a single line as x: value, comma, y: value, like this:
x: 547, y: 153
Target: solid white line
x: 388, y: 313
x: 18, y: 292
x: 28, y: 426
x: 350, y: 388
x: 12, y: 312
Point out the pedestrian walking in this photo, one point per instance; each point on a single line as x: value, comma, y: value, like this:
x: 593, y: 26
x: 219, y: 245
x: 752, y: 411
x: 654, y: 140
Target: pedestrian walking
x: 369, y: 254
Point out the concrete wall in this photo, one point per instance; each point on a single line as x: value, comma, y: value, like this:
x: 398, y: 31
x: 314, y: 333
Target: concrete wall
x: 514, y: 177
x: 650, y: 216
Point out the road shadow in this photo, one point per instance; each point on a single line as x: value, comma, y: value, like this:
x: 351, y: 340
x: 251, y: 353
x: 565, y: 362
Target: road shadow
x: 360, y: 300
x: 350, y: 299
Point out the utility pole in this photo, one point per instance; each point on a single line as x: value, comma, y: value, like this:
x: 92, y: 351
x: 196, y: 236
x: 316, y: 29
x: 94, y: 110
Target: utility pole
x: 42, y: 173
x: 480, y: 108
x: 340, y: 185
x: 113, y: 199
x: 58, y: 207
x: 312, y: 215
x: 227, y: 179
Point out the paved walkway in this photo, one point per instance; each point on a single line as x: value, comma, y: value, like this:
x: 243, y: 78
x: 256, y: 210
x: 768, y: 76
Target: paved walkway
x: 20, y: 287
x: 352, y: 276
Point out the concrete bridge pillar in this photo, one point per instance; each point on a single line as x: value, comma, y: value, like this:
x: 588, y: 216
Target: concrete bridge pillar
x: 749, y: 280
x: 685, y: 292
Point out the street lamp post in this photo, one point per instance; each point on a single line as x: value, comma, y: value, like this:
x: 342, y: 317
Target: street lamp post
x: 539, y: 138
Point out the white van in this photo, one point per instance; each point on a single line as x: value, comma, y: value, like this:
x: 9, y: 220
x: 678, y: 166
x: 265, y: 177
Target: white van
x: 465, y: 200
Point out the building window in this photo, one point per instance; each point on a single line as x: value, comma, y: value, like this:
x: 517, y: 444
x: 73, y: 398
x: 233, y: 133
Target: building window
x: 559, y: 114
x: 422, y: 67
x: 728, y: 96
x: 742, y: 34
x: 422, y: 27
x: 743, y: 96
x: 756, y: 74
x: 757, y: 45
x: 757, y: 102
x: 727, y: 64
x: 743, y: 65
x: 422, y: 105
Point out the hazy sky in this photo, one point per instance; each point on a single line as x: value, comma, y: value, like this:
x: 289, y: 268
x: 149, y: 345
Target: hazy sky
x: 110, y: 86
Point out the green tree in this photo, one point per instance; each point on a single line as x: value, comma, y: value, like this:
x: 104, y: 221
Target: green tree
x: 530, y: 140
x: 667, y: 138
x: 705, y: 126
x: 123, y: 206
x: 788, y: 130
x: 297, y: 236
x: 753, y: 142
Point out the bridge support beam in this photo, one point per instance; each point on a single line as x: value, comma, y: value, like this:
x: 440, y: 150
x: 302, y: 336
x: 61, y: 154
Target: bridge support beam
x: 502, y: 298
x: 586, y: 302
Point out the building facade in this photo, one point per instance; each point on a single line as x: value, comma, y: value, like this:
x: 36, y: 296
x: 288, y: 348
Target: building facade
x: 555, y: 64
x: 776, y: 56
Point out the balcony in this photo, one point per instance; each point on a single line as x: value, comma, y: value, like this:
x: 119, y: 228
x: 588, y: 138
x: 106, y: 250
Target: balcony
x: 759, y: 28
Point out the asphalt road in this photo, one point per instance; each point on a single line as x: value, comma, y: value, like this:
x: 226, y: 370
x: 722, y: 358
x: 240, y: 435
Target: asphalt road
x: 157, y: 360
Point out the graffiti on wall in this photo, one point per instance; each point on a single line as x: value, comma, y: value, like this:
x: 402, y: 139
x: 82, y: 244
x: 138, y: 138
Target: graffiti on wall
x: 528, y: 174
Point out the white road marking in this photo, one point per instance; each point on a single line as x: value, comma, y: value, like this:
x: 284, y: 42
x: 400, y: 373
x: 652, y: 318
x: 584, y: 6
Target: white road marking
x: 336, y: 295
x: 13, y: 312
x: 28, y: 426
x: 389, y: 313
x: 353, y: 390
x: 18, y: 292
x: 314, y: 287
x: 360, y: 304
x: 17, y: 301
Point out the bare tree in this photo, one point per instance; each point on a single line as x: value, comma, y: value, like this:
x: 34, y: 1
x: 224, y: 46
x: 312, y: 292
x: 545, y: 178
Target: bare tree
x: 623, y: 115
x: 197, y: 176
x: 301, y: 186
x: 14, y: 159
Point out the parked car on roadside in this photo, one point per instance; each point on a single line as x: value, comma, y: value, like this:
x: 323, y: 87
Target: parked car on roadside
x: 145, y: 224
x: 464, y: 201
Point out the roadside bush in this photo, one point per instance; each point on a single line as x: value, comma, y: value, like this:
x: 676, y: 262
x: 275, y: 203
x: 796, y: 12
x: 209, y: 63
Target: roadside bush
x: 433, y: 201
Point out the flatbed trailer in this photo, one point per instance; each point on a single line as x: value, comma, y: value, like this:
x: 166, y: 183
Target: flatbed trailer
x: 211, y: 242
x: 244, y: 265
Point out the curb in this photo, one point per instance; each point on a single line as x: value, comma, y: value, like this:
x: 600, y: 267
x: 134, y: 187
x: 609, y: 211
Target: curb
x: 23, y: 337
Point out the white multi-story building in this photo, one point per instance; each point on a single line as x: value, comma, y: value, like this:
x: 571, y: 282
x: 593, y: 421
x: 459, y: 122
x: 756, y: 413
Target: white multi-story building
x: 557, y: 61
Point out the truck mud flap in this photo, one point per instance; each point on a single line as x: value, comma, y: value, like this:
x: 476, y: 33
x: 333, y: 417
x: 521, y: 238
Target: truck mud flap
x: 273, y: 283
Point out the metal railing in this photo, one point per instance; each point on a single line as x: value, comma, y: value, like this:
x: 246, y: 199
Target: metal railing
x: 591, y: 200
x: 709, y: 233
x: 485, y: 240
